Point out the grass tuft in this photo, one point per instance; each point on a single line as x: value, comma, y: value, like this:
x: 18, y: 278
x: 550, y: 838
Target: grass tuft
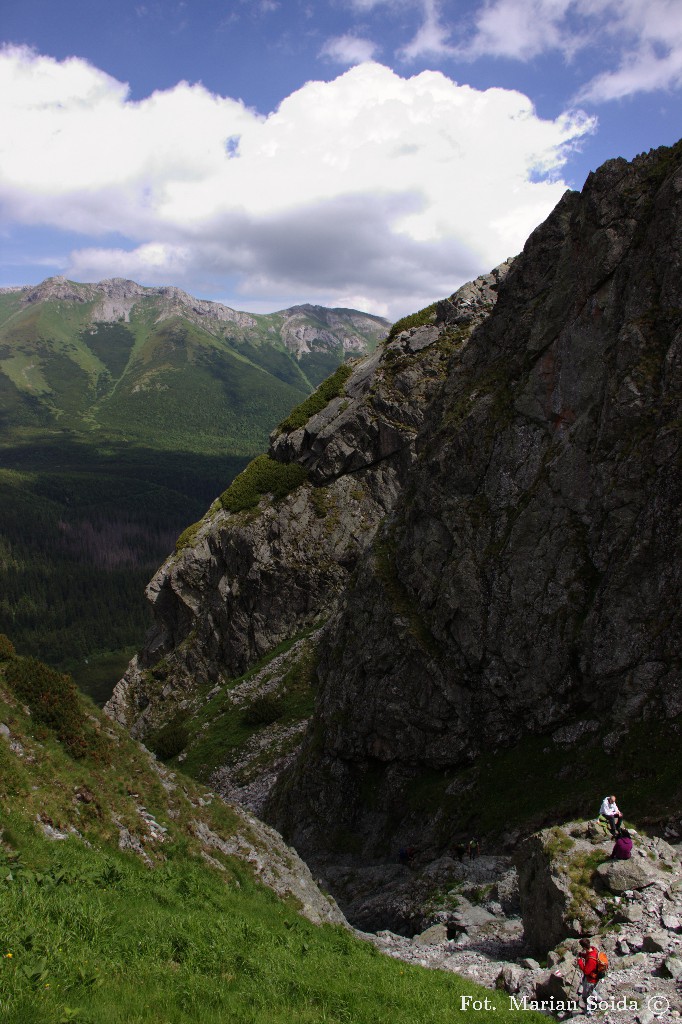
x: 332, y: 387
x: 262, y: 476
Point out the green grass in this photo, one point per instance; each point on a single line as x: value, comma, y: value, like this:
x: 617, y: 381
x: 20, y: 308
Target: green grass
x: 91, y: 934
x: 98, y: 939
x: 332, y: 387
x: 262, y: 476
x: 419, y: 319
x: 220, y: 730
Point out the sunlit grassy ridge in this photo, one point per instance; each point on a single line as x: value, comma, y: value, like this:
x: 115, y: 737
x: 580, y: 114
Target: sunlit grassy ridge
x: 92, y: 934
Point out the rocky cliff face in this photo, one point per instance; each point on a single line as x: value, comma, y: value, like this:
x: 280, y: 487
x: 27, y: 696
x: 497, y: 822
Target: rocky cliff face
x: 252, y: 579
x: 528, y: 578
x: 490, y: 528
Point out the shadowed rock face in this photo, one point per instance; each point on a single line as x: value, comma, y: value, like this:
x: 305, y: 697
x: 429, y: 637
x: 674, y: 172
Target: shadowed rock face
x: 529, y: 573
x: 490, y: 529
x: 252, y: 579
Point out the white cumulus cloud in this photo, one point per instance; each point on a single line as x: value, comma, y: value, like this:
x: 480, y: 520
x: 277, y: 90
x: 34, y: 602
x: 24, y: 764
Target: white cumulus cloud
x: 395, y: 189
x: 638, y: 42
x: 349, y: 49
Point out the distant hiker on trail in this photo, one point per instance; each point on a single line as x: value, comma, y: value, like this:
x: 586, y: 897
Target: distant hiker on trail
x: 406, y: 855
x: 622, y: 849
x: 593, y: 965
x: 609, y: 810
x: 459, y: 850
x: 474, y: 848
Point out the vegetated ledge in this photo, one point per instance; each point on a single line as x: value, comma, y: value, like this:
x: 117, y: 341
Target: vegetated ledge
x: 262, y: 476
x: 330, y: 388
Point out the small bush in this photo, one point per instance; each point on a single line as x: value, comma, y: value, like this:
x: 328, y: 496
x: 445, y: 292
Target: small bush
x: 262, y: 476
x: 424, y: 316
x: 187, y: 536
x: 330, y: 388
x: 7, y: 651
x: 318, y: 499
x: 263, y: 711
x: 53, y: 701
x: 170, y: 741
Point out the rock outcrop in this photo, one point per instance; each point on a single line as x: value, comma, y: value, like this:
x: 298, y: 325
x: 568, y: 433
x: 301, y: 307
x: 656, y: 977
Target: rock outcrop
x: 568, y: 886
x: 528, y: 577
x: 252, y: 579
x: 489, y: 530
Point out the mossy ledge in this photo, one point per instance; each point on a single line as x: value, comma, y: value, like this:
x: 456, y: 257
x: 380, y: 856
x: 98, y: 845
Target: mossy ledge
x: 262, y: 476
x: 330, y: 388
x: 419, y: 319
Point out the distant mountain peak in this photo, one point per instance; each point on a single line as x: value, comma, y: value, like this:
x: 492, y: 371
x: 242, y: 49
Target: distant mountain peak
x: 115, y: 298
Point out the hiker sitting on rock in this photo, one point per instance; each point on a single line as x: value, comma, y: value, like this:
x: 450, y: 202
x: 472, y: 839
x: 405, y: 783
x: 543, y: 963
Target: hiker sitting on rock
x: 588, y: 962
x: 622, y: 849
x: 609, y: 810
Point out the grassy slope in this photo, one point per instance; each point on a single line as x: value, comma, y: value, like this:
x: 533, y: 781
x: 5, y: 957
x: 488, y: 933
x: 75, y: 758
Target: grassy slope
x: 171, y: 385
x: 91, y: 934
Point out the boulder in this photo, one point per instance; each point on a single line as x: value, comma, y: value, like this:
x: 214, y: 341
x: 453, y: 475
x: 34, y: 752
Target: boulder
x: 433, y: 936
x: 636, y: 960
x: 671, y: 923
x: 550, y: 909
x: 530, y: 964
x: 619, y: 875
x: 630, y: 912
x: 672, y: 968
x: 468, y: 915
x: 556, y: 985
x: 510, y: 978
x: 655, y: 942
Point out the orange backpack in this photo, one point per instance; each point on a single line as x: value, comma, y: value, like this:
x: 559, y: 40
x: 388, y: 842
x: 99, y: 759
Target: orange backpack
x: 602, y: 963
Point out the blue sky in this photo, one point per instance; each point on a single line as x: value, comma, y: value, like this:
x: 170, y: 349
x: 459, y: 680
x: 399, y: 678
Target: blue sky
x: 367, y: 153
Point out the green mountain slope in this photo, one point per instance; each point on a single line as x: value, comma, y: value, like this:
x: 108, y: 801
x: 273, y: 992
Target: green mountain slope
x: 131, y: 894
x: 159, y: 368
x: 124, y: 411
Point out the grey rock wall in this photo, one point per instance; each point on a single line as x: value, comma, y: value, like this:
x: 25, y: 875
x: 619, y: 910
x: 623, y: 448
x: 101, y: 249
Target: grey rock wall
x: 529, y: 574
x: 250, y: 580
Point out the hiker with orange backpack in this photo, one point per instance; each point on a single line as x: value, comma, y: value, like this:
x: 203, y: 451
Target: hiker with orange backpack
x: 593, y: 963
